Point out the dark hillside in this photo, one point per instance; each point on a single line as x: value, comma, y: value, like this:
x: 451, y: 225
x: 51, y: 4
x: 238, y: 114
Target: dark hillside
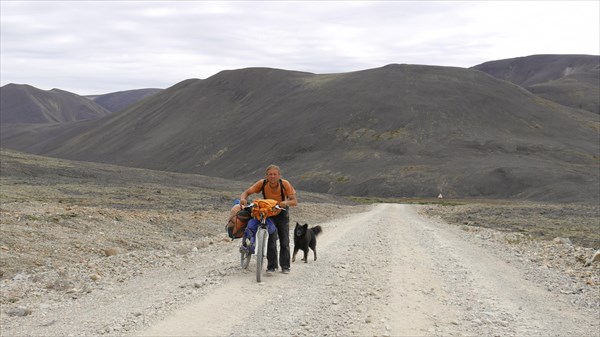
x: 26, y: 104
x: 571, y: 80
x: 118, y: 101
x: 23, y: 169
x: 398, y: 131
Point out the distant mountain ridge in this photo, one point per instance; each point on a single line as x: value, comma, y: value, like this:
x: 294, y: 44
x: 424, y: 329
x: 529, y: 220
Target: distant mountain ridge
x: 571, y: 80
x: 398, y: 130
x: 27, y: 104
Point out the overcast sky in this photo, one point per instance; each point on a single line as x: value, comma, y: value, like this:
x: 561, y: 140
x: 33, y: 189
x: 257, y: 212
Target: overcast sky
x: 98, y: 47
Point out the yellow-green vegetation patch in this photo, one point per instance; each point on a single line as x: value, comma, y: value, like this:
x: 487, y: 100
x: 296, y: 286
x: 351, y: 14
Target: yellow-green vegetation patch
x: 402, y: 170
x: 319, y: 80
x: 9, y: 157
x: 369, y: 135
x: 393, y: 134
x: 593, y: 125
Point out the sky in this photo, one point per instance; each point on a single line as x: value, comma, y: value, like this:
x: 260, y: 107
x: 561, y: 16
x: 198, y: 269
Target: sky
x: 99, y: 47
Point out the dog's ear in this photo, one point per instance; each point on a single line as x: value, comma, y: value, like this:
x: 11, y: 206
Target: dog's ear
x: 305, y: 225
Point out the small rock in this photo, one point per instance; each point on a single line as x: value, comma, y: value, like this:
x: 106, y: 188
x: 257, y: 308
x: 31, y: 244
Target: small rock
x: 20, y: 277
x: 113, y: 251
x: 20, y: 312
x: 562, y: 241
x: 594, y: 258
x: 95, y: 277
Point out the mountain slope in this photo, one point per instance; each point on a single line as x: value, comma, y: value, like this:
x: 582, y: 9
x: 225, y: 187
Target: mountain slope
x: 117, y: 101
x: 571, y: 80
x: 27, y: 104
x: 399, y: 130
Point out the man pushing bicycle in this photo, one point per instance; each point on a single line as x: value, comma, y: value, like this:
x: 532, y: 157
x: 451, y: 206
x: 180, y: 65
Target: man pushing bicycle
x: 281, y: 190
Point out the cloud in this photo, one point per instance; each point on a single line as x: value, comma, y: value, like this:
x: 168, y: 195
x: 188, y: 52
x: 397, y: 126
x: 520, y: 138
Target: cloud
x: 99, y: 47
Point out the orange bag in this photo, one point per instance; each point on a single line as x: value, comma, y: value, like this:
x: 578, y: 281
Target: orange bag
x: 264, y: 207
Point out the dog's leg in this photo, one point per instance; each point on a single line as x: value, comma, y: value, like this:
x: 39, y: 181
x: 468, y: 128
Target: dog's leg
x: 306, y: 255
x: 294, y: 255
x: 313, y: 246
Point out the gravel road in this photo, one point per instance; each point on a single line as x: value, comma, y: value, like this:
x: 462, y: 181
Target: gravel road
x: 400, y: 275
x: 387, y: 271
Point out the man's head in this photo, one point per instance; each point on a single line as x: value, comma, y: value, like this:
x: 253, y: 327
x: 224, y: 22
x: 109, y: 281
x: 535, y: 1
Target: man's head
x: 273, y: 174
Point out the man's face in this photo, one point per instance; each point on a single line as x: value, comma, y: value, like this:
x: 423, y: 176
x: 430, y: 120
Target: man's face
x: 273, y: 176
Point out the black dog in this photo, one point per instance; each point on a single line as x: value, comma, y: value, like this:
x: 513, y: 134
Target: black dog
x: 305, y: 238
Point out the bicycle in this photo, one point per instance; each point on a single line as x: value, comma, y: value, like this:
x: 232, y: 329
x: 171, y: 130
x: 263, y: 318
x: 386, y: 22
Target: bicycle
x: 261, y: 214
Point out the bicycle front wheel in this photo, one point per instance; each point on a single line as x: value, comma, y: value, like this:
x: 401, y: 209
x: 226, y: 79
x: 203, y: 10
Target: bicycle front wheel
x: 245, y: 255
x: 261, y: 240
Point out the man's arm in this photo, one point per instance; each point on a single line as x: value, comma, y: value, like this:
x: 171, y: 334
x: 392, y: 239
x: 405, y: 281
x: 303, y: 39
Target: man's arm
x: 290, y: 201
x: 244, y: 197
x: 251, y: 190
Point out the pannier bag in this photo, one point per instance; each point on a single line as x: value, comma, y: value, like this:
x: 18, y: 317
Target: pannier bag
x: 238, y: 220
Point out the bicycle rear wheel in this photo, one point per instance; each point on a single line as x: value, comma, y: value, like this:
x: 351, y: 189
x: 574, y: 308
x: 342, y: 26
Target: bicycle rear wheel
x: 261, y: 238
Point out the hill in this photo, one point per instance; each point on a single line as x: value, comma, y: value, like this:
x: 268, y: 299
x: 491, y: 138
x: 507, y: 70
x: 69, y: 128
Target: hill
x: 395, y: 131
x: 571, y: 80
x: 27, y: 104
x: 120, y: 100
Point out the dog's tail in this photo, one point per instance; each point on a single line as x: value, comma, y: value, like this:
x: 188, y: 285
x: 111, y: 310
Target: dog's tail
x: 317, y: 230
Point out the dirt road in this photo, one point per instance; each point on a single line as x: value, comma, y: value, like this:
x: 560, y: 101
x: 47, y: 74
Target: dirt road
x: 385, y: 272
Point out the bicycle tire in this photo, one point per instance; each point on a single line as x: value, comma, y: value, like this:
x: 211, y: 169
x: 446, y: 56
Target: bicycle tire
x: 261, y: 237
x: 245, y: 258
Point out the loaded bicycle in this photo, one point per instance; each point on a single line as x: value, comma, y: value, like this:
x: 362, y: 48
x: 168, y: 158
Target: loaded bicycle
x: 257, y: 232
